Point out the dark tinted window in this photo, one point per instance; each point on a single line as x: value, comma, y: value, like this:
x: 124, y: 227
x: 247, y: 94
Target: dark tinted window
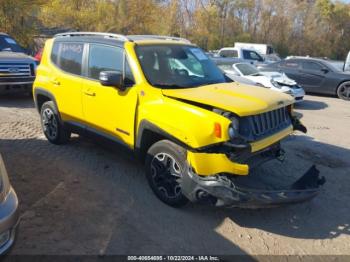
x: 68, y: 56
x: 312, y: 66
x: 290, y: 64
x: 251, y: 55
x: 228, y: 53
x: 9, y: 44
x: 104, y: 58
x: 54, y: 53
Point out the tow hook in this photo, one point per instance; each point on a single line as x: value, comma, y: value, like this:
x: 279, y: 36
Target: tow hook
x: 297, y: 125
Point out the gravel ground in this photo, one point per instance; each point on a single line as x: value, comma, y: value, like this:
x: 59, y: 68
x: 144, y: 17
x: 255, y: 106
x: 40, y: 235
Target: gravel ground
x: 84, y: 198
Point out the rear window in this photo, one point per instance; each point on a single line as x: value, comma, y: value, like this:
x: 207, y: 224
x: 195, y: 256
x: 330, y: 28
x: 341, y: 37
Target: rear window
x: 68, y: 57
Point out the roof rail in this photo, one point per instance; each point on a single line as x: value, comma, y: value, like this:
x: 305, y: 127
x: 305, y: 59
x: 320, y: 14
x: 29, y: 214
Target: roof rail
x: 163, y: 37
x: 105, y: 35
x: 298, y: 56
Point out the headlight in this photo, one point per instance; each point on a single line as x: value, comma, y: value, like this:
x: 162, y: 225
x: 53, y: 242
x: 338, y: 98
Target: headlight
x: 233, y: 130
x: 275, y: 84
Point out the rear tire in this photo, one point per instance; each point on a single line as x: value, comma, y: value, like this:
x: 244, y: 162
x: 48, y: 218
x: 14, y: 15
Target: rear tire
x: 165, y: 163
x: 343, y: 91
x: 51, y: 125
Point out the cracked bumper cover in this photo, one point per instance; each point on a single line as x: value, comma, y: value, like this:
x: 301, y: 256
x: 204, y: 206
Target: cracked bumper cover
x: 222, y: 191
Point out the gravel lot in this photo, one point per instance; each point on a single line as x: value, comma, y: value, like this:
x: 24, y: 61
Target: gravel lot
x: 84, y: 198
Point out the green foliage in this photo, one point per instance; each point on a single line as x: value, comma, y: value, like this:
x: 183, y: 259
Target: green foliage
x: 298, y: 27
x: 17, y: 19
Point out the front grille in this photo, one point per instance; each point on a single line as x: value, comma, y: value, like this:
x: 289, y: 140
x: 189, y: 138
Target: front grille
x: 15, y: 70
x: 259, y: 126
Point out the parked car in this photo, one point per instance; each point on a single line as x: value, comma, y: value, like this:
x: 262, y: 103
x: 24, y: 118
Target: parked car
x: 225, y: 63
x: 245, y: 54
x: 262, y: 49
x: 315, y: 75
x: 273, y: 80
x: 38, y: 55
x: 163, y: 98
x: 8, y: 211
x: 346, y: 66
x: 17, y: 70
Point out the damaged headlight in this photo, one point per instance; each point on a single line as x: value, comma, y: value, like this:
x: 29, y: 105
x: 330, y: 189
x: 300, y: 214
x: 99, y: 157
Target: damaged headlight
x: 233, y: 130
x: 275, y: 84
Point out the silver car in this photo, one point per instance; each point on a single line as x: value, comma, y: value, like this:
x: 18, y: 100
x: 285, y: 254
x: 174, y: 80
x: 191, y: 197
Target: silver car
x: 9, y: 217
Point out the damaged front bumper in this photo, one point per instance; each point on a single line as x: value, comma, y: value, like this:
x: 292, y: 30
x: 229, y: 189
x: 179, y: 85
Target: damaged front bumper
x: 220, y: 190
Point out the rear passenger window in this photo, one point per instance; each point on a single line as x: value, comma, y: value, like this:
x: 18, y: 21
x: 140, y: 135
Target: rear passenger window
x: 312, y: 66
x: 104, y: 58
x: 289, y: 64
x: 68, y: 57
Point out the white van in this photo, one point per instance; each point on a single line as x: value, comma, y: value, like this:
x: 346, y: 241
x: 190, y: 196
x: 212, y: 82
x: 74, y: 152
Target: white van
x: 263, y: 49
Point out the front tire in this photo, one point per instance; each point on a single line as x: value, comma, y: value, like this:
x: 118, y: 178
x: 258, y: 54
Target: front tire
x: 343, y: 91
x: 165, y: 164
x: 51, y: 125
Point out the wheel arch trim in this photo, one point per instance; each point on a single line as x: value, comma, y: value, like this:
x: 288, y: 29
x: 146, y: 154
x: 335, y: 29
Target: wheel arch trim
x: 40, y: 91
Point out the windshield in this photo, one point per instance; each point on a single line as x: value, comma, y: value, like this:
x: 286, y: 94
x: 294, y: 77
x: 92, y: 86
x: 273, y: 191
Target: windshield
x: 9, y: 44
x: 247, y: 69
x: 335, y: 65
x: 177, y: 66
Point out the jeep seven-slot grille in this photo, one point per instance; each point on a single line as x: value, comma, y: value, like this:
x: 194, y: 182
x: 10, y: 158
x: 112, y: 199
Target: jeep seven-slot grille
x: 16, y: 70
x: 259, y: 126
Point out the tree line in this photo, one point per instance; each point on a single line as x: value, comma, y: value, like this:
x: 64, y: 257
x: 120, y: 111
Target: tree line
x: 298, y: 27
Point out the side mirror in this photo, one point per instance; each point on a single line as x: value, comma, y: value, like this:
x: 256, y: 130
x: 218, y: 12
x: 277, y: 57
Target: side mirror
x: 325, y: 70
x: 112, y: 78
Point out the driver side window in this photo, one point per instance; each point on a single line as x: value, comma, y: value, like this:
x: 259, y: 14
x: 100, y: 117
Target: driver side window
x: 104, y: 58
x: 251, y: 55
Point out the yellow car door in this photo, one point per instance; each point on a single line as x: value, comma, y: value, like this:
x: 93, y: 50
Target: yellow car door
x: 65, y: 79
x: 109, y: 110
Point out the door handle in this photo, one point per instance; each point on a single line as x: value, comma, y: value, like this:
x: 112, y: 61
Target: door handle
x: 89, y: 93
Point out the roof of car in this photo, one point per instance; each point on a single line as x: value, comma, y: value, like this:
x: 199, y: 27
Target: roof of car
x: 307, y: 58
x: 117, y: 39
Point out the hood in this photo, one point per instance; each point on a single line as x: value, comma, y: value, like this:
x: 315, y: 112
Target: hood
x: 280, y: 78
x: 261, y: 79
x: 240, y: 79
x: 16, y: 57
x: 240, y: 99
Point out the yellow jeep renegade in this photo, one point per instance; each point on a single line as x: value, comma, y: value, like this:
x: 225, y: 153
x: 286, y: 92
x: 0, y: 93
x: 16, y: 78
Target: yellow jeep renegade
x: 166, y: 100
